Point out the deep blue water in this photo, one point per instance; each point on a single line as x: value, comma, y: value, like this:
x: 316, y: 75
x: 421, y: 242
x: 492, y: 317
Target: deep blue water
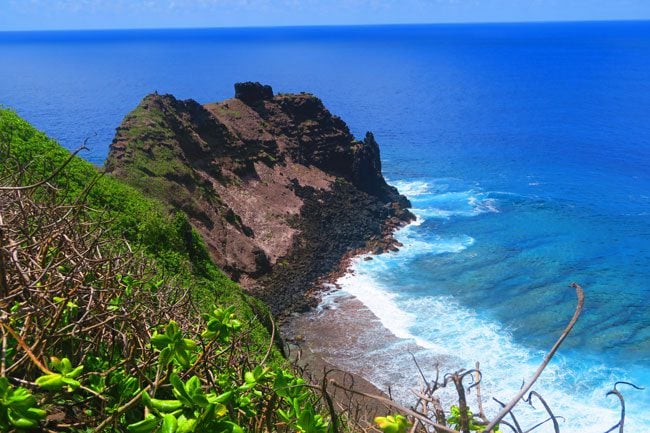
x: 525, y: 149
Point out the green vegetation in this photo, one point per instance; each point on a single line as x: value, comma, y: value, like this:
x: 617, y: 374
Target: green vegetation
x: 230, y: 112
x: 108, y: 316
x: 178, y: 251
x: 157, y: 166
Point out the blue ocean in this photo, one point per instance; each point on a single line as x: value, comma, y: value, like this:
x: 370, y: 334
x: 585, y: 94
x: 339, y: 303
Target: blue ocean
x: 524, y: 149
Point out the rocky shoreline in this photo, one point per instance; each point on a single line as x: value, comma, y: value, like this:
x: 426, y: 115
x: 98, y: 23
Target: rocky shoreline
x: 385, y: 244
x: 308, y: 337
x: 328, y: 267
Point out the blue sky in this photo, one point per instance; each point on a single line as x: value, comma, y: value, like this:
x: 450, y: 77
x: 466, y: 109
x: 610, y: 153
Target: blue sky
x: 103, y: 14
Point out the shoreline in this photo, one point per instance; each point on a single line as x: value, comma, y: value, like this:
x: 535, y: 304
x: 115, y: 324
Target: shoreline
x: 387, y: 243
x: 308, y: 337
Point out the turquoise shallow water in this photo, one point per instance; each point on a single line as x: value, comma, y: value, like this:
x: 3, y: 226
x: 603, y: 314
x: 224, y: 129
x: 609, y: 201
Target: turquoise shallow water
x: 525, y: 149
x: 484, y: 276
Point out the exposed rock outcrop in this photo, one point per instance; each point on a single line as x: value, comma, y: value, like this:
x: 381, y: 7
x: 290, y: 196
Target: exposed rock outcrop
x: 277, y: 185
x: 251, y: 93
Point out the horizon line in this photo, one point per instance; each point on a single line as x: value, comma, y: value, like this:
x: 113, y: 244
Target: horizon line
x: 296, y: 26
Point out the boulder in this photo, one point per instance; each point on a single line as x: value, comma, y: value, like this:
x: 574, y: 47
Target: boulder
x: 252, y: 93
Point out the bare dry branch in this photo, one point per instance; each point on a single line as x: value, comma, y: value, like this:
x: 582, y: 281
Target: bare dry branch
x: 620, y: 424
x: 51, y: 176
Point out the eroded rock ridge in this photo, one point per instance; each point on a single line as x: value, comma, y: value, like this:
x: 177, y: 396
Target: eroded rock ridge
x: 277, y: 185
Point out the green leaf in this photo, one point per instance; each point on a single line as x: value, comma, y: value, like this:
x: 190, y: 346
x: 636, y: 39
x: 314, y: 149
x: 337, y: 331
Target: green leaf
x: 172, y: 330
x: 4, y: 385
x: 21, y: 422
x: 230, y: 427
x: 186, y: 425
x: 189, y: 344
x: 51, y: 382
x: 36, y: 413
x: 179, y: 390
x: 72, y: 383
x: 20, y: 398
x: 165, y: 356
x: 75, y: 372
x: 285, y: 416
x: 193, y: 385
x: 182, y: 357
x: 221, y: 398
x: 165, y: 406
x: 392, y: 423
x: 147, y: 425
x: 65, y: 366
x: 159, y: 341
x: 169, y: 424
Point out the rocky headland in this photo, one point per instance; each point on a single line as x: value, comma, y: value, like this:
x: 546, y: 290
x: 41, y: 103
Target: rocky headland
x: 278, y: 187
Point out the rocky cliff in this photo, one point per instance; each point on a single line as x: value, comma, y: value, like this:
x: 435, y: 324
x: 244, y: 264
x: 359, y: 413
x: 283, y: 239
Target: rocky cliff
x: 277, y: 185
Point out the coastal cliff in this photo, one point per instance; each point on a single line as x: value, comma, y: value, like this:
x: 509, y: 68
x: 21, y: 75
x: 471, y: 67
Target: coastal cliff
x: 279, y: 188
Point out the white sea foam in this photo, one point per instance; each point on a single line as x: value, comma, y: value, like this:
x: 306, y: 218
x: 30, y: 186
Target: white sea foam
x: 361, y: 284
x: 411, y: 188
x: 459, y: 336
x: 414, y: 247
x: 362, y: 287
x: 575, y: 389
x: 433, y: 199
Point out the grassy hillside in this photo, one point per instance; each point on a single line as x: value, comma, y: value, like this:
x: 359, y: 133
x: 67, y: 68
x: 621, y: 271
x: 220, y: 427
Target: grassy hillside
x: 176, y: 249
x: 113, y: 315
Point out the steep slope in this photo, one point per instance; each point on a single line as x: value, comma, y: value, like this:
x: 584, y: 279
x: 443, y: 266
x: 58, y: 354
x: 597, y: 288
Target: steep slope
x: 171, y: 247
x: 277, y: 185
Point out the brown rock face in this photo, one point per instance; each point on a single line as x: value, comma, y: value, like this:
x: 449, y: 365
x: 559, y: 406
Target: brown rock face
x: 277, y: 185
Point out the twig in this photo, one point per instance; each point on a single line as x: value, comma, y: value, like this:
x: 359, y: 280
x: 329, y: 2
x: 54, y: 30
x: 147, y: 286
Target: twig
x: 481, y: 413
x: 529, y: 400
x: 128, y: 405
x: 517, y: 427
x: 618, y: 394
x: 50, y: 177
x: 25, y: 347
x: 330, y: 404
x: 415, y: 361
x: 399, y: 407
x: 268, y: 351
